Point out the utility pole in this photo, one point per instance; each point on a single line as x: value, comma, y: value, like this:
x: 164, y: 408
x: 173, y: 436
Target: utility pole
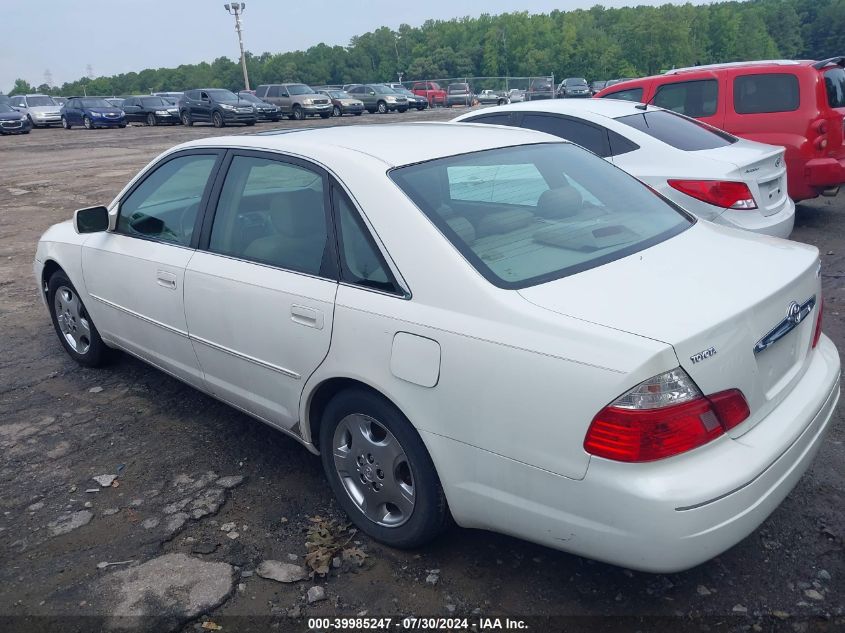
x: 237, y: 9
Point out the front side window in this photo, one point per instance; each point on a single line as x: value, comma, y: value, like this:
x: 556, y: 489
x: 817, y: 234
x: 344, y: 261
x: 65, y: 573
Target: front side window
x: 530, y: 214
x: 834, y: 82
x: 360, y: 261
x: 765, y: 93
x: 692, y: 98
x: 273, y: 91
x: 632, y: 94
x: 165, y: 205
x: 588, y: 136
x: 678, y: 131
x: 273, y: 213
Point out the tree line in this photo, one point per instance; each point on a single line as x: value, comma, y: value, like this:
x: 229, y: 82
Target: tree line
x: 596, y: 43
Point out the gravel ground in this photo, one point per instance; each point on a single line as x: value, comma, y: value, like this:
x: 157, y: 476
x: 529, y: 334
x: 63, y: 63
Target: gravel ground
x: 205, y: 494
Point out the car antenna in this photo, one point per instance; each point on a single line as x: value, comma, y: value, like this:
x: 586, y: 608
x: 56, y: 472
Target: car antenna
x: 644, y: 106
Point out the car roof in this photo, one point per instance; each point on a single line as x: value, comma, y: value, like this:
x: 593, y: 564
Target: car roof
x: 392, y: 145
x: 610, y: 108
x: 762, y: 62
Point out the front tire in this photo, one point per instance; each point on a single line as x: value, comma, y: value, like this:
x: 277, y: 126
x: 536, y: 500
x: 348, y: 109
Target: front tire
x: 298, y: 114
x: 380, y: 470
x: 217, y: 120
x: 74, y: 327
x: 186, y: 119
x: 65, y: 124
x: 151, y: 120
x: 381, y: 107
x: 86, y: 122
x: 336, y: 111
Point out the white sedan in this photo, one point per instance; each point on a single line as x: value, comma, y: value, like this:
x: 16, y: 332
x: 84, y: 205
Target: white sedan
x: 474, y: 321
x: 713, y: 174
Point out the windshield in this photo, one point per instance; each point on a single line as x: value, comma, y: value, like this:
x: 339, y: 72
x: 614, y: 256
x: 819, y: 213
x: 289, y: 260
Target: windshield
x: 154, y: 102
x: 300, y: 89
x: 6, y: 108
x: 251, y: 98
x: 678, y: 131
x: 34, y: 102
x: 218, y: 94
x: 575, y: 82
x: 834, y: 81
x: 529, y: 214
x: 339, y: 94
x: 95, y: 103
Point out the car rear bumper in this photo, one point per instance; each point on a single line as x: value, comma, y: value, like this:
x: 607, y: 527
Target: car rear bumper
x: 662, y: 516
x: 778, y: 224
x: 824, y: 173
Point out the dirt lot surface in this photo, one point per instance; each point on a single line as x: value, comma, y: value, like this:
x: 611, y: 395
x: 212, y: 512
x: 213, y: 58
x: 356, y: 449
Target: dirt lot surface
x: 194, y: 533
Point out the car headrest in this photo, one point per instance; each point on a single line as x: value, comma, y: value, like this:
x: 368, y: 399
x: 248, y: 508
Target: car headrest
x: 562, y: 202
x: 298, y: 213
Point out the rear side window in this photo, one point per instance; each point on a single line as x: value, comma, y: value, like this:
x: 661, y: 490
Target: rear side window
x: 632, y: 94
x: 773, y: 92
x: 503, y: 118
x: 834, y: 81
x: 591, y: 137
x: 692, y: 98
x: 677, y: 131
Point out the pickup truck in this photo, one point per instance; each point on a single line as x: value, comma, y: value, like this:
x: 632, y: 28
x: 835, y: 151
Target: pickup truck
x: 432, y: 91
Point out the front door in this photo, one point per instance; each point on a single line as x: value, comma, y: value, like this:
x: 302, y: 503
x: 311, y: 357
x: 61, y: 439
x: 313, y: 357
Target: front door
x: 135, y: 274
x: 259, y: 294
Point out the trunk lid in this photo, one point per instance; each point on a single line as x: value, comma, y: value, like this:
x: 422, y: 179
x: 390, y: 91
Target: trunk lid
x: 712, y: 293
x: 762, y: 167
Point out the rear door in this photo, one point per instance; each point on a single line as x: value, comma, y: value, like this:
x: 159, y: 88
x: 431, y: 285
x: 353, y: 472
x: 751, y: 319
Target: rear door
x: 700, y: 98
x: 260, y: 292
x: 132, y: 110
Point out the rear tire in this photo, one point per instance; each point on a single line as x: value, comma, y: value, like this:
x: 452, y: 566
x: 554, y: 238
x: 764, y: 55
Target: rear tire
x: 74, y: 327
x: 387, y: 461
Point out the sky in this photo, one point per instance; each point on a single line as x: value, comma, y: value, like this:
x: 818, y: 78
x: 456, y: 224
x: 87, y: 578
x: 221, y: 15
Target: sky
x: 66, y: 37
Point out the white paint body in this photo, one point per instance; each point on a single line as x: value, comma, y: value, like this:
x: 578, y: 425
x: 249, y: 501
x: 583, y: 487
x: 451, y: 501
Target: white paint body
x: 761, y: 167
x: 500, y: 384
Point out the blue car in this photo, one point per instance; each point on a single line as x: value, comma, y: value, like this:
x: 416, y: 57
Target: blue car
x: 12, y: 121
x: 91, y: 112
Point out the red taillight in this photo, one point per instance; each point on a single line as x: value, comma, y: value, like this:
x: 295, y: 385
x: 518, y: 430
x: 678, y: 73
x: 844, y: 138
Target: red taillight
x: 726, y: 194
x: 819, y: 127
x: 644, y: 435
x: 818, y: 333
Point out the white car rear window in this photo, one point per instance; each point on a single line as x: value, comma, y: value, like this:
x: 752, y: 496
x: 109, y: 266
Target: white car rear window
x: 529, y: 214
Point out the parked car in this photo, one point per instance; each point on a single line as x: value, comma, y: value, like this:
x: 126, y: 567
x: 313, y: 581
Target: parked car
x: 540, y: 88
x: 494, y: 97
x: 151, y: 110
x: 414, y: 101
x: 431, y: 90
x: 515, y: 95
x: 265, y: 111
x: 379, y: 98
x: 217, y: 106
x: 396, y: 297
x: 91, y: 113
x: 459, y: 94
x: 596, y: 86
x: 343, y: 102
x: 41, y: 110
x: 12, y: 121
x: 574, y: 88
x: 799, y: 105
x: 297, y: 101
x: 708, y: 172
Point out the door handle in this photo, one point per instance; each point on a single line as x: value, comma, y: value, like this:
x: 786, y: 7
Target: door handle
x: 306, y: 316
x: 166, y: 279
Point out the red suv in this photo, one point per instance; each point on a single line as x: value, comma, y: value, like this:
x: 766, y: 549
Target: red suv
x: 432, y: 91
x: 799, y: 105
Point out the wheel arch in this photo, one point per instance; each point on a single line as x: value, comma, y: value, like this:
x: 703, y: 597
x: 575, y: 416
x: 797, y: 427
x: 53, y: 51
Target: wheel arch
x: 51, y: 266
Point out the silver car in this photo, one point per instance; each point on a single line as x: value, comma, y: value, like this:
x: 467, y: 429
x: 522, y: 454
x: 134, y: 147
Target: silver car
x: 41, y: 110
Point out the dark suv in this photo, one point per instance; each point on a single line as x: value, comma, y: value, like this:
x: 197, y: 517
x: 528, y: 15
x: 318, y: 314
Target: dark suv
x: 217, y: 106
x: 540, y: 88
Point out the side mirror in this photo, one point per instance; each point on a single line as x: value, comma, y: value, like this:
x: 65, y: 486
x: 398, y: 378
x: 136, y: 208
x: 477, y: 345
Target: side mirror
x: 91, y: 220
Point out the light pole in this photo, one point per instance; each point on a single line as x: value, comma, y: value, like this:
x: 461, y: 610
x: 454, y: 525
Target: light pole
x: 237, y: 9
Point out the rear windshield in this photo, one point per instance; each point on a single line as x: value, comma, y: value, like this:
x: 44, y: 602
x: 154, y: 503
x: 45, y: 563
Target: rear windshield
x: 834, y: 81
x: 533, y: 213
x: 772, y: 92
x: 678, y: 131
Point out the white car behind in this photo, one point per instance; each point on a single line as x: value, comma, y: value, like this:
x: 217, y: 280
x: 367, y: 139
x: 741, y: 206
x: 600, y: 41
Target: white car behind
x: 467, y: 320
x: 713, y: 174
